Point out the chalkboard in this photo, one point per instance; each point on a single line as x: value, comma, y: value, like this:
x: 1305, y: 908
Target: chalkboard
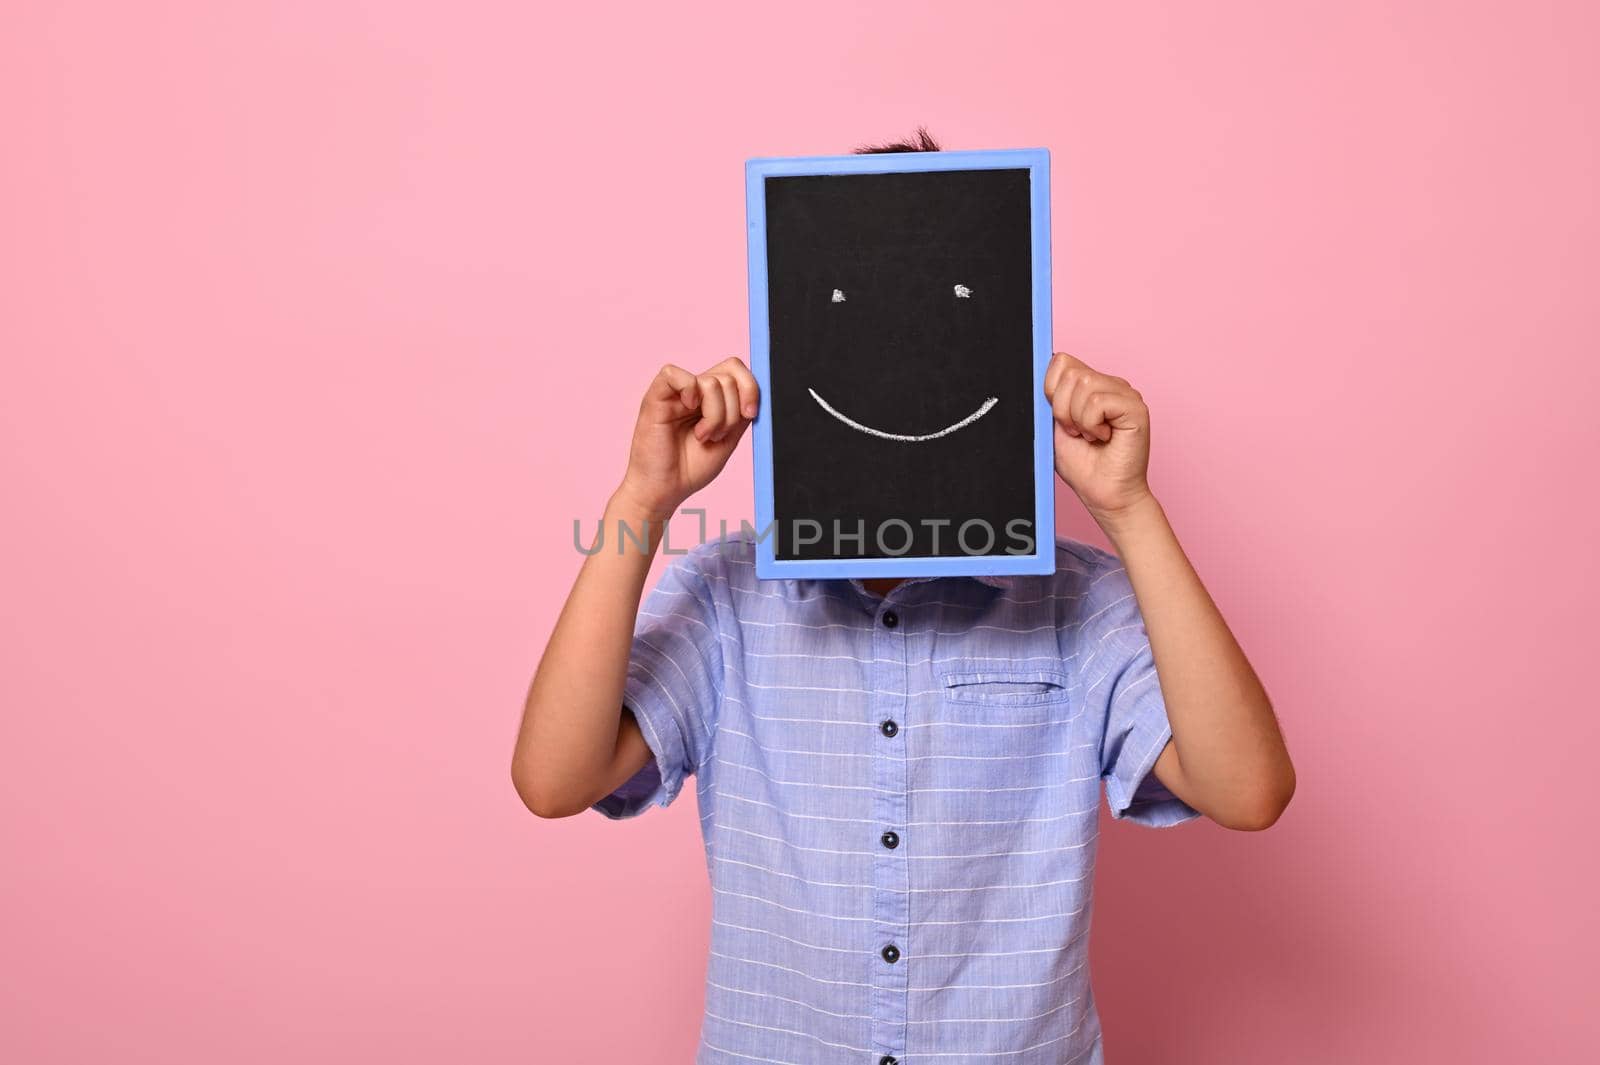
x: 900, y: 330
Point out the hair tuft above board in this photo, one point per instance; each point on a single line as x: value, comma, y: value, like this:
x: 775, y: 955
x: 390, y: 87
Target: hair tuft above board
x: 919, y: 141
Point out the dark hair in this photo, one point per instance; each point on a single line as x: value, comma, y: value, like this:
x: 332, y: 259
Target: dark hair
x: 919, y: 141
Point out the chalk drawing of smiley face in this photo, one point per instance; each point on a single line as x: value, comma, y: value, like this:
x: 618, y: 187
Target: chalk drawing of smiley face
x: 961, y: 292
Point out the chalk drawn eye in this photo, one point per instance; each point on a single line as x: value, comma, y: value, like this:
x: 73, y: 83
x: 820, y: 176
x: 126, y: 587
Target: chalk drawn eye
x: 962, y: 292
x: 838, y: 297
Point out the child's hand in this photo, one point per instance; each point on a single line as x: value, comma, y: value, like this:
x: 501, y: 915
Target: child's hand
x: 1102, y: 436
x: 688, y: 426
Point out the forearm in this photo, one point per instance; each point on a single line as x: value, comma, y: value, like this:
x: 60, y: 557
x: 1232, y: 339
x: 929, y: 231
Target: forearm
x: 1227, y: 758
x: 568, y: 742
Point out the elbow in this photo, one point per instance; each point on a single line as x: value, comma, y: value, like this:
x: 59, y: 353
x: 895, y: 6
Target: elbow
x: 1251, y: 818
x: 1261, y: 809
x: 542, y: 800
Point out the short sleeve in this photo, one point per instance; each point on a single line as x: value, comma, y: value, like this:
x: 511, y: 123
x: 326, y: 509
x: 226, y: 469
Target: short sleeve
x: 1122, y: 691
x: 674, y: 685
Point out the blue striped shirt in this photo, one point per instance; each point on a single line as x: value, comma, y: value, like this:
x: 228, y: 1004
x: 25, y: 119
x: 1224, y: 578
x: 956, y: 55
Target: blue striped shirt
x: 898, y: 798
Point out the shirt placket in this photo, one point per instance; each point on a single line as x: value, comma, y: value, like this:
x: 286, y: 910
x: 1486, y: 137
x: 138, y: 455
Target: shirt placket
x: 891, y: 899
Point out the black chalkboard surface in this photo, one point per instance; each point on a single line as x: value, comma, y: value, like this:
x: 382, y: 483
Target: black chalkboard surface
x: 901, y: 370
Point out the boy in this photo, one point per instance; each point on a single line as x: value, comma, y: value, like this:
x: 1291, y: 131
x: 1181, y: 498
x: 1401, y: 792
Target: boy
x: 898, y: 779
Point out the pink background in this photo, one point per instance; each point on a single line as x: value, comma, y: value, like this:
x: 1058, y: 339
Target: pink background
x: 322, y: 321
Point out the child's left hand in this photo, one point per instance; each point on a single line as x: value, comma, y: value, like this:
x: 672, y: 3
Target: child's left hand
x: 1102, y: 436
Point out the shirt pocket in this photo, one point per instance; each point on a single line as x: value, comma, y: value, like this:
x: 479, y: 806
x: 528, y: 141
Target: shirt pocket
x: 1044, y: 692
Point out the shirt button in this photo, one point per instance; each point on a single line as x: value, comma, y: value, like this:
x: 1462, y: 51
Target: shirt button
x: 889, y: 728
x: 890, y: 840
x: 891, y: 953
x: 890, y: 619
x: 887, y: 1060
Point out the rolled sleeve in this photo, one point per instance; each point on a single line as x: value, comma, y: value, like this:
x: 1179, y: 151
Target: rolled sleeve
x: 1123, y: 690
x: 673, y: 688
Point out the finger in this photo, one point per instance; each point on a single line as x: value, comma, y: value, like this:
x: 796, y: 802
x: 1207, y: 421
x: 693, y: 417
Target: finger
x: 1067, y: 390
x: 1117, y: 409
x: 731, y: 416
x: 1052, y: 373
x: 730, y: 439
x: 1092, y: 384
x: 1123, y: 408
x: 1091, y: 415
x: 749, y: 390
x: 674, y: 382
x: 1085, y: 418
x: 1060, y: 363
x: 711, y: 405
x: 1061, y: 410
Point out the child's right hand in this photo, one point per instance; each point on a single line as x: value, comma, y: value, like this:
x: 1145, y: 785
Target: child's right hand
x: 688, y: 426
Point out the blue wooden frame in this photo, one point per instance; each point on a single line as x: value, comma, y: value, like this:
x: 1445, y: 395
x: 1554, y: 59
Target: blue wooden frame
x: 1037, y: 162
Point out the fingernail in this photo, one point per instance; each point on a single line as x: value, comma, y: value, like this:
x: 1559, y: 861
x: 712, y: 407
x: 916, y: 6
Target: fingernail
x: 749, y: 410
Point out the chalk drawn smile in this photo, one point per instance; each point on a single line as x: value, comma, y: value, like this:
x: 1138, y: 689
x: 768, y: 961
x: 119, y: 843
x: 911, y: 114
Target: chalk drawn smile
x: 983, y: 409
